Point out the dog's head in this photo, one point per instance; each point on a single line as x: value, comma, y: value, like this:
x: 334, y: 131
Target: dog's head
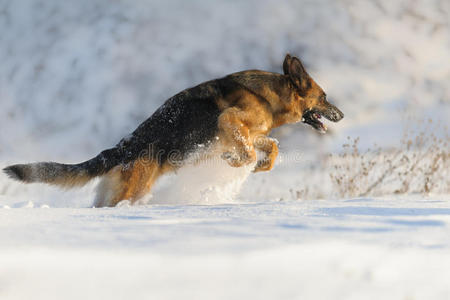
x: 310, y: 97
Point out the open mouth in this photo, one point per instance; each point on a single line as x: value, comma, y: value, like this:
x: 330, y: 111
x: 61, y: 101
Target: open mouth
x: 330, y: 112
x: 312, y: 118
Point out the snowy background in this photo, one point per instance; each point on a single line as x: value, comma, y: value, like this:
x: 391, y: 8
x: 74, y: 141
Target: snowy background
x: 77, y: 76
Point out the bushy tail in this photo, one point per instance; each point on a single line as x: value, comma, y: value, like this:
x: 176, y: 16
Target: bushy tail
x: 65, y: 175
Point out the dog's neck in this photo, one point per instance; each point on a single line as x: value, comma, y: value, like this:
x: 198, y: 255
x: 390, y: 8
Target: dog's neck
x: 279, y: 92
x: 273, y: 87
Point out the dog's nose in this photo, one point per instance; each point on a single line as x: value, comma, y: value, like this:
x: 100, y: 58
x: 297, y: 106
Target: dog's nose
x: 338, y: 114
x: 332, y: 113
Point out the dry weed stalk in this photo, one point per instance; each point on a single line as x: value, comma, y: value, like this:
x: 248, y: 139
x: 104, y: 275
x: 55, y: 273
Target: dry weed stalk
x: 420, y: 165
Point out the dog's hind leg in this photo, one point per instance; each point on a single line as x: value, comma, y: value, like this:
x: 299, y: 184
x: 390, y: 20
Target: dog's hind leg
x: 127, y: 183
x: 108, y: 187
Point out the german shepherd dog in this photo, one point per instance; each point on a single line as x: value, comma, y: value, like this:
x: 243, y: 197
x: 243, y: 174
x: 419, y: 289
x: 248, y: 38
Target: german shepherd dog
x: 234, y: 113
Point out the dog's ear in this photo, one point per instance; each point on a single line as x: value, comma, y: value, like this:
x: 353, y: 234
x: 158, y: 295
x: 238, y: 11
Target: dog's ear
x: 293, y: 67
x: 287, y: 61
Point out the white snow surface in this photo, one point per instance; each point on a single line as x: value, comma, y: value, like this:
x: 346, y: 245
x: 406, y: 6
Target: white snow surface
x: 77, y: 76
x: 385, y: 248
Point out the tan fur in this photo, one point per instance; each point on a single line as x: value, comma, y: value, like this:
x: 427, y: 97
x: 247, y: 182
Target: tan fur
x: 251, y: 117
x: 129, y: 183
x: 71, y: 182
x: 270, y: 147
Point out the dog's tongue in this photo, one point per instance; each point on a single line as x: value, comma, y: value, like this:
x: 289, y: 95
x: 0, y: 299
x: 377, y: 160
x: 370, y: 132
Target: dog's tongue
x: 322, y: 128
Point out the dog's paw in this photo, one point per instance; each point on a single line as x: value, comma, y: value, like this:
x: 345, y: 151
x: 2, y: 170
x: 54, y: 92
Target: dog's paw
x: 262, y: 165
x: 236, y: 160
x: 274, y: 141
x: 232, y: 159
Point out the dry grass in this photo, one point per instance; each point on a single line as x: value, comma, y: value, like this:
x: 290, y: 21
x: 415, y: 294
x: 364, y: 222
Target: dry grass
x: 420, y: 164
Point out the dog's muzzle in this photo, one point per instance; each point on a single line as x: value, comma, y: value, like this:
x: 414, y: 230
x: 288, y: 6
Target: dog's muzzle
x: 330, y: 112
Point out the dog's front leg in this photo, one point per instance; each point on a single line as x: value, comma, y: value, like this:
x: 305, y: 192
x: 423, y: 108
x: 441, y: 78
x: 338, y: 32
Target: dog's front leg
x: 236, y: 135
x: 270, y: 147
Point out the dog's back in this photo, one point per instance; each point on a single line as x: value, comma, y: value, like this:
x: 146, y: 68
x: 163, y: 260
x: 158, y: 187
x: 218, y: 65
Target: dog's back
x: 185, y: 121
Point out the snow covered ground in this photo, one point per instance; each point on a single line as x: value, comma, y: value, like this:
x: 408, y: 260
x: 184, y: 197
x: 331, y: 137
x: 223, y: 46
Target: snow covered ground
x: 77, y: 76
x: 385, y: 248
